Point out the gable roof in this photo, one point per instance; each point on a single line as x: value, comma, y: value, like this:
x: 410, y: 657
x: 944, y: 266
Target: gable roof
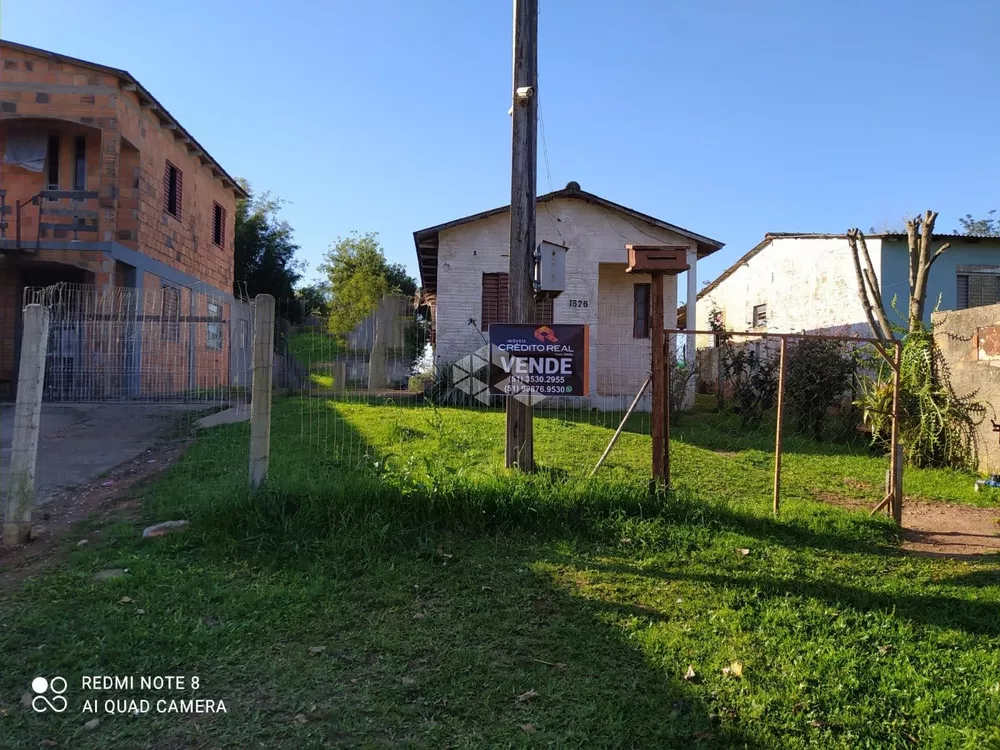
x: 771, y: 236
x: 144, y: 97
x: 426, y: 240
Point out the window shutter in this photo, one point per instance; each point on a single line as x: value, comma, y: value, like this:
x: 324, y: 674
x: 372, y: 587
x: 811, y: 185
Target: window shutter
x: 222, y: 229
x: 962, y: 298
x: 494, y: 302
x: 180, y: 191
x: 166, y: 187
x: 976, y: 291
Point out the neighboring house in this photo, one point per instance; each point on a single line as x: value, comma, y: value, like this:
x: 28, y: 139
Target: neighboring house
x: 463, y: 270
x: 807, y: 282
x: 118, y: 201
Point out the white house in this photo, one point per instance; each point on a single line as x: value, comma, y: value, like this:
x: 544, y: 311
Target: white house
x: 807, y: 282
x: 463, y: 269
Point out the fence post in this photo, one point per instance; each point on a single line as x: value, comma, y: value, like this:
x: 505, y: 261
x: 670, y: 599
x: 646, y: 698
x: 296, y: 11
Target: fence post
x: 260, y: 400
x: 27, y: 419
x: 777, y: 431
x: 895, y: 460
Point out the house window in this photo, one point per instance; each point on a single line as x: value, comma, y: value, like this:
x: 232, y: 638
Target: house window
x: 173, y: 184
x: 80, y: 164
x: 244, y: 334
x: 641, y: 324
x: 170, y: 326
x: 214, y: 337
x: 760, y: 316
x: 496, y: 289
x: 218, y: 225
x: 495, y: 295
x: 977, y: 289
x: 52, y: 164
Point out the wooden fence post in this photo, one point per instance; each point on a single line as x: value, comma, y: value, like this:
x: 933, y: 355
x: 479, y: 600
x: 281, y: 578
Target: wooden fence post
x: 27, y: 422
x: 778, y: 431
x: 658, y: 371
x: 260, y: 404
x: 896, y: 459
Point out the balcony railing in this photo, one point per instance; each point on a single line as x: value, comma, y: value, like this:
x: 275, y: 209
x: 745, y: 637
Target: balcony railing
x: 57, y: 211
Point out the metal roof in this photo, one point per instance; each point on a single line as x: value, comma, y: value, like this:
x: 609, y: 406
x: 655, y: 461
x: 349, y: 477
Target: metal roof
x: 891, y: 236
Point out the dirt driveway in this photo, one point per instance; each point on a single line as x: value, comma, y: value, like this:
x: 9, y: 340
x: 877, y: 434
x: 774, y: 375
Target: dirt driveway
x: 80, y: 442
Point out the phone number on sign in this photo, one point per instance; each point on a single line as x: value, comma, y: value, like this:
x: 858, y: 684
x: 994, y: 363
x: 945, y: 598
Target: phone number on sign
x: 542, y: 390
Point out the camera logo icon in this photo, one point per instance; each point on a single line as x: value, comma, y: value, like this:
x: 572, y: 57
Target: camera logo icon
x: 49, y: 694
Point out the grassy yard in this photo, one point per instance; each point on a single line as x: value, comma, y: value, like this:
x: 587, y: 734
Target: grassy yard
x: 315, y: 350
x: 393, y: 587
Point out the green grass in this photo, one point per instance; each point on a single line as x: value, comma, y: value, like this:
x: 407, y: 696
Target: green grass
x: 434, y: 589
x: 315, y: 350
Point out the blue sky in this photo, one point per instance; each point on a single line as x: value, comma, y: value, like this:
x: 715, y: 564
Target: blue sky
x: 728, y: 118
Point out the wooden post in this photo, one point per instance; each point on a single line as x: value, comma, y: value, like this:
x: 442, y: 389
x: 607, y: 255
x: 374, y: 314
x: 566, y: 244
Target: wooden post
x: 260, y: 404
x: 618, y: 432
x: 777, y: 431
x: 658, y: 371
x: 896, y: 463
x: 524, y: 148
x: 27, y: 423
x: 667, y: 369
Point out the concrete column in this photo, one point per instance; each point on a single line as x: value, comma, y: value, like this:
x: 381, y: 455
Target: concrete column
x: 378, y: 365
x: 692, y: 320
x: 27, y: 425
x: 260, y: 404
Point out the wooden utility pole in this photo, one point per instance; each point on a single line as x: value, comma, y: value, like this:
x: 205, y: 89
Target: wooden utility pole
x: 524, y: 146
x: 778, y: 427
x: 658, y: 373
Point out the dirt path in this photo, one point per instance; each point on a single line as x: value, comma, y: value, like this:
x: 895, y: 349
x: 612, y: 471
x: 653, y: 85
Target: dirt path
x: 960, y: 532
x: 112, y: 496
x: 935, y: 529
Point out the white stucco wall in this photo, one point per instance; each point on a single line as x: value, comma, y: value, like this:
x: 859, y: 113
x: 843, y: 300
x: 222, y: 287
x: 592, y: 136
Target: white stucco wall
x: 808, y: 284
x: 595, y: 274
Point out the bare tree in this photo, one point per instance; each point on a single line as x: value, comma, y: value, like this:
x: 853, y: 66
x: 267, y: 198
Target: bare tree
x: 922, y: 254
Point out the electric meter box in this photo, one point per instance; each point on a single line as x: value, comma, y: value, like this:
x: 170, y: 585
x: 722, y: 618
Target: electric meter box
x: 550, y: 267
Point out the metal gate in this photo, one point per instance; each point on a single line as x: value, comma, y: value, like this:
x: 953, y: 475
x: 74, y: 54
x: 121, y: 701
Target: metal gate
x: 124, y: 344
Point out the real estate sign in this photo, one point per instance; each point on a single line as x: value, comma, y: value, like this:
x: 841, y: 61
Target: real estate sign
x: 539, y: 360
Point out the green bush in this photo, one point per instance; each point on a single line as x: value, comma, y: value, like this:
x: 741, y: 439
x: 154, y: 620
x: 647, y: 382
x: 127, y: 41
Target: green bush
x: 818, y: 376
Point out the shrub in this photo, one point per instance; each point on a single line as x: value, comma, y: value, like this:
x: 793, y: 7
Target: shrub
x: 936, y: 426
x: 818, y: 375
x: 753, y: 379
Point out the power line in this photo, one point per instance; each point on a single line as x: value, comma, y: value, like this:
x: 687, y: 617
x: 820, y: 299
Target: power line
x: 545, y: 147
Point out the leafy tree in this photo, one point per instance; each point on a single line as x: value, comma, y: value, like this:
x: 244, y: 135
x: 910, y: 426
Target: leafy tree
x: 314, y: 299
x: 265, y: 249
x: 359, y: 277
x: 988, y: 226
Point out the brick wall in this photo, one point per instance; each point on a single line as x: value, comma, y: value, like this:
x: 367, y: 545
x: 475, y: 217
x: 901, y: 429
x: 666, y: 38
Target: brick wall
x: 184, y: 243
x: 128, y: 146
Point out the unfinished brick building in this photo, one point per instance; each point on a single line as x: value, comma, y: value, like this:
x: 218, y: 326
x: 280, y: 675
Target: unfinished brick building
x: 104, y: 195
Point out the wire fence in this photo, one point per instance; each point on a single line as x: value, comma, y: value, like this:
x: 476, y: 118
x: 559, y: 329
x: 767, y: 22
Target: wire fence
x: 398, y: 387
x: 124, y: 378
x: 127, y: 371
